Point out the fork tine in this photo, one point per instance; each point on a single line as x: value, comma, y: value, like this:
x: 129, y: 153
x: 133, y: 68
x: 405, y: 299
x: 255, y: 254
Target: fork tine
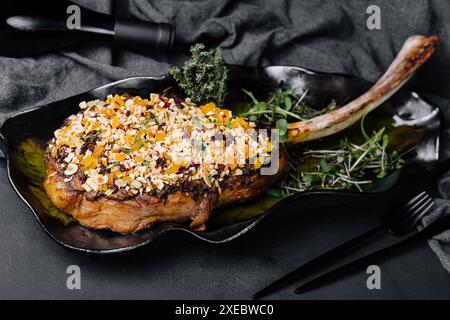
x: 423, y: 198
x: 405, y: 210
x: 419, y: 207
x: 422, y: 211
x: 418, y: 213
x: 413, y: 200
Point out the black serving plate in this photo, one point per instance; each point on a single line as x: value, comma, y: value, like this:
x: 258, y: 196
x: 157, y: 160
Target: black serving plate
x: 412, y: 123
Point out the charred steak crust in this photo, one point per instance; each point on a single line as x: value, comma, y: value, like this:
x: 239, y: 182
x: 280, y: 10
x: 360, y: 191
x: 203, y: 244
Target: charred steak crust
x: 123, y: 213
x: 117, y: 164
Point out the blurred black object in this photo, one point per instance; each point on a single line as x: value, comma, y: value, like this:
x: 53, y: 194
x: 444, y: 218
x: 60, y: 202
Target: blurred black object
x: 34, y: 27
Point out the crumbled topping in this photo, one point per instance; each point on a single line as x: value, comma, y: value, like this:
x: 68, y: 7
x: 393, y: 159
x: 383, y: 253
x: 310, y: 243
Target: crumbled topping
x: 142, y: 145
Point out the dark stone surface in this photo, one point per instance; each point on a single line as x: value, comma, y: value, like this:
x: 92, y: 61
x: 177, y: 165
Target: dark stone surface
x: 176, y: 266
x: 179, y: 267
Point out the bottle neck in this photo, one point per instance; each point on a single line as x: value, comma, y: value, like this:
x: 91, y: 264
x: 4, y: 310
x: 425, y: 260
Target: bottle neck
x: 63, y: 19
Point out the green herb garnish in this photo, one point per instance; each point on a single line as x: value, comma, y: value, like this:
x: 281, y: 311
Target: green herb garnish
x: 197, y: 122
x: 282, y: 104
x: 154, y: 118
x: 138, y: 141
x: 282, y: 127
x: 203, y: 77
x: 349, y: 166
x: 126, y: 150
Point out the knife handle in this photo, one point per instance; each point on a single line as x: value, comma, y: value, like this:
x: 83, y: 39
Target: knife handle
x: 433, y: 229
x: 321, y: 261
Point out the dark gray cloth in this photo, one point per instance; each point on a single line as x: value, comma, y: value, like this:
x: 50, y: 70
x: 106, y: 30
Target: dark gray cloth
x: 329, y: 36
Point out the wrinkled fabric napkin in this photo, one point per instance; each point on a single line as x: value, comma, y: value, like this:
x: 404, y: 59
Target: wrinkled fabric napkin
x: 329, y: 36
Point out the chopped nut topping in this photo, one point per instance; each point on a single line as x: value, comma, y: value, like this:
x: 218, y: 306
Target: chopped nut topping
x: 71, y: 169
x: 142, y: 145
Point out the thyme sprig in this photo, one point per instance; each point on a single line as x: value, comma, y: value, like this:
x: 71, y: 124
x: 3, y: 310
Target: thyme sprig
x: 203, y: 77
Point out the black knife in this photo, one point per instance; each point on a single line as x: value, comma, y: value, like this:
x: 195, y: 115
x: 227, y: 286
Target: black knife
x: 433, y: 229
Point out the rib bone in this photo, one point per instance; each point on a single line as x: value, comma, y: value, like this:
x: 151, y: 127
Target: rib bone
x: 415, y: 52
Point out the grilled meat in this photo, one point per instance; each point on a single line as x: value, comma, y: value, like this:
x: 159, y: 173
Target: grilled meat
x: 122, y: 164
x: 123, y: 213
x: 119, y: 164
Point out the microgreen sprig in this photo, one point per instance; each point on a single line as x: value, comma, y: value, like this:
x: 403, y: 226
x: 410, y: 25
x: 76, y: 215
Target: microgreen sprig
x: 282, y: 104
x: 349, y: 166
x: 281, y: 107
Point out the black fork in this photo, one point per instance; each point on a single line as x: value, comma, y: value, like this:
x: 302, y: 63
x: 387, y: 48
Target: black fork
x: 400, y: 222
